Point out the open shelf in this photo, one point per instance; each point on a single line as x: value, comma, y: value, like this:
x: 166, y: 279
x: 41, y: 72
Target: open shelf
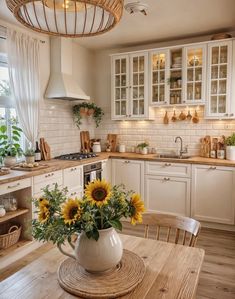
x: 14, y: 248
x: 13, y: 214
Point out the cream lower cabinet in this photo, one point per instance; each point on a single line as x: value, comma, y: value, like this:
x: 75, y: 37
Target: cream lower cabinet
x: 130, y: 173
x: 213, y: 193
x: 73, y: 180
x: 167, y: 194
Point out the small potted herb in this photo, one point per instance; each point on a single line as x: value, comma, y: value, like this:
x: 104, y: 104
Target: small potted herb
x: 9, y: 145
x: 143, y: 147
x: 230, y: 147
x: 29, y: 156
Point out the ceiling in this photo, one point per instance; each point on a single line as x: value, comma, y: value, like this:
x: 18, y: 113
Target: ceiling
x: 166, y: 19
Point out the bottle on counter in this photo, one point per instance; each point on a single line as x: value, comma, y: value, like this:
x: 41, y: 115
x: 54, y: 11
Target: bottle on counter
x: 38, y: 156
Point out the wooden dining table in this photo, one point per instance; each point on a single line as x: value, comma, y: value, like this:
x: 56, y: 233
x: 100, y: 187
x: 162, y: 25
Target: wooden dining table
x: 172, y: 271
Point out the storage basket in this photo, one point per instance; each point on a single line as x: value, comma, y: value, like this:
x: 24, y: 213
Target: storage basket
x: 9, y: 234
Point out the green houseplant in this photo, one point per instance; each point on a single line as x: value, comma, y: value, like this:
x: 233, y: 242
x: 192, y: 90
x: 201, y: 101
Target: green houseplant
x: 143, y: 147
x: 94, y: 217
x: 230, y: 147
x: 9, y: 144
x: 85, y: 110
x: 29, y: 155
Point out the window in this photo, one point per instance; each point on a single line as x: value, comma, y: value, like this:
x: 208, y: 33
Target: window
x: 7, y: 111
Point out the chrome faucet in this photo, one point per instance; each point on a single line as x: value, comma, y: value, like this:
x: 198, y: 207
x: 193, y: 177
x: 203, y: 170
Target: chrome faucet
x: 182, y: 151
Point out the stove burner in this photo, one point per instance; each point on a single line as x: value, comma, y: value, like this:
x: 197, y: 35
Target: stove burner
x: 76, y: 156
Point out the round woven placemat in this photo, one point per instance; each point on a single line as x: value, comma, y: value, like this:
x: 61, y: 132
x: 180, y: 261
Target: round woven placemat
x: 111, y: 284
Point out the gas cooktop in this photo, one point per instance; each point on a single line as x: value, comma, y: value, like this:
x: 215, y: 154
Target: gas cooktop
x: 76, y: 156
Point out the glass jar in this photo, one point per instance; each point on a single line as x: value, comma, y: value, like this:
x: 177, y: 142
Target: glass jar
x: 9, y: 202
x: 2, y: 211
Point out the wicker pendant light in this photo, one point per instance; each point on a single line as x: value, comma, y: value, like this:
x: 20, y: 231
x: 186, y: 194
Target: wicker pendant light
x: 68, y: 18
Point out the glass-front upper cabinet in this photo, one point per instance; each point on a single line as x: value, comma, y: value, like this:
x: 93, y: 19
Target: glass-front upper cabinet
x: 159, y: 72
x: 219, y: 85
x: 175, y: 79
x: 138, y: 86
x: 120, y: 83
x: 195, y: 67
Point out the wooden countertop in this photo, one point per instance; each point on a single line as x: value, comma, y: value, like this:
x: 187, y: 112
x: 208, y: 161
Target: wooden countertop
x: 172, y: 271
x: 54, y: 165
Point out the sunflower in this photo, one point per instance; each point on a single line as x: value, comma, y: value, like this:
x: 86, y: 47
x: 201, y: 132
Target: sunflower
x: 43, y: 202
x: 98, y: 192
x: 71, y: 211
x: 43, y: 214
x: 137, y: 206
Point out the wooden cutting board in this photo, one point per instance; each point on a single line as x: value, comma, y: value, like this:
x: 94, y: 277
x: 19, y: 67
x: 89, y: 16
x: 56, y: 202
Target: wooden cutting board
x: 112, y: 140
x: 20, y: 168
x: 45, y: 150
x: 85, y: 141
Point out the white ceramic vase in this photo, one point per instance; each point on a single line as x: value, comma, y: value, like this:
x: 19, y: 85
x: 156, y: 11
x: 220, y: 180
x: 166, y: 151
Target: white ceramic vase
x: 230, y: 153
x: 144, y: 151
x: 97, y: 256
x: 9, y: 161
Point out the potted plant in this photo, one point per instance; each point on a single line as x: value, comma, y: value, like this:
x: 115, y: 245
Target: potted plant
x: 93, y: 219
x: 29, y: 156
x: 9, y: 146
x: 87, y: 109
x: 143, y: 147
x: 175, y: 82
x: 230, y: 147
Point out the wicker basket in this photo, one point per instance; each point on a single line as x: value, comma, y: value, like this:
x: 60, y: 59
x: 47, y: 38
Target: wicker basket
x: 9, y: 234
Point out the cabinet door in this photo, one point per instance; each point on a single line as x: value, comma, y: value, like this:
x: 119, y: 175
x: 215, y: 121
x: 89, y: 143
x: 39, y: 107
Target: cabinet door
x: 139, y: 83
x: 213, y: 194
x: 159, y: 72
x: 73, y: 177
x: 194, y: 74
x: 130, y: 173
x: 219, y: 74
x: 106, y: 170
x: 168, y: 194
x: 120, y: 86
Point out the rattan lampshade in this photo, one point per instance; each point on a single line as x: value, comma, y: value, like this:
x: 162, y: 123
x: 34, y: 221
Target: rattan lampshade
x: 68, y: 18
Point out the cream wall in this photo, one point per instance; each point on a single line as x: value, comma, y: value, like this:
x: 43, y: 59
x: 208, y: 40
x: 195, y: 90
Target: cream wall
x: 56, y: 123
x: 159, y: 135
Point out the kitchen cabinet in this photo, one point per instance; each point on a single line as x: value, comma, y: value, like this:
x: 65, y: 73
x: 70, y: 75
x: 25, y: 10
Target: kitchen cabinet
x: 167, y: 194
x: 130, y: 173
x: 168, y: 169
x: 48, y: 179
x: 159, y: 72
x: 106, y: 170
x: 194, y: 74
x: 130, y: 87
x: 213, y: 193
x: 220, y: 67
x: 73, y: 177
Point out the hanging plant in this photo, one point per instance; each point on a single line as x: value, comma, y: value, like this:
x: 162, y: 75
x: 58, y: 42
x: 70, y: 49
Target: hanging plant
x: 87, y: 109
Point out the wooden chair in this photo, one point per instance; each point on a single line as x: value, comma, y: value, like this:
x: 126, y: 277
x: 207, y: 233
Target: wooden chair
x: 176, y: 228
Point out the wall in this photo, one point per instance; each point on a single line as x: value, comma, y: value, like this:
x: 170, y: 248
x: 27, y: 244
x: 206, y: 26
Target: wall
x: 56, y: 119
x: 159, y: 135
x: 56, y: 123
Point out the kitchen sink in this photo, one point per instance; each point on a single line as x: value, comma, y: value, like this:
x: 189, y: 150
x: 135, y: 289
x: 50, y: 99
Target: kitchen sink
x: 172, y: 156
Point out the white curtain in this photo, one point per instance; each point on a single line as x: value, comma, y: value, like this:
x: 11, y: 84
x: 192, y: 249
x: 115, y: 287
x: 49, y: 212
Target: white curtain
x: 23, y: 62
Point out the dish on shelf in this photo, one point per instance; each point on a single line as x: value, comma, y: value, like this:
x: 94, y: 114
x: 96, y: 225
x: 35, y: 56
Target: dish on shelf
x: 176, y: 65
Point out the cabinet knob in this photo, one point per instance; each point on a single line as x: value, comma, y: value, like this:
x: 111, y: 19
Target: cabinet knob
x: 13, y: 186
x: 231, y: 114
x: 126, y: 161
x: 167, y: 164
x: 226, y: 114
x: 213, y: 168
x: 166, y: 179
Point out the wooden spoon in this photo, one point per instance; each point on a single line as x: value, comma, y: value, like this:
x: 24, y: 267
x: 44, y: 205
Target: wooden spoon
x: 166, y: 119
x: 195, y: 118
x: 174, y: 117
x: 189, y: 116
x: 182, y: 116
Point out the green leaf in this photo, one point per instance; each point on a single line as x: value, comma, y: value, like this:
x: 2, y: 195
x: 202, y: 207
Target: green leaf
x: 116, y: 224
x: 3, y: 129
x: 15, y: 138
x: 16, y: 133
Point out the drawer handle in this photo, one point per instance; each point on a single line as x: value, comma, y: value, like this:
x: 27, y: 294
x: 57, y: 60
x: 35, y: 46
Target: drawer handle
x: 126, y: 161
x: 13, y: 186
x: 49, y: 174
x: 167, y: 164
x: 73, y: 169
x: 213, y: 168
x: 166, y: 179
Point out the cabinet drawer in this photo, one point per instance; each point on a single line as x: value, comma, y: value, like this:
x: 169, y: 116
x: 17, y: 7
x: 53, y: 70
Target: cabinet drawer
x: 48, y: 179
x: 168, y: 169
x: 14, y: 186
x: 73, y: 177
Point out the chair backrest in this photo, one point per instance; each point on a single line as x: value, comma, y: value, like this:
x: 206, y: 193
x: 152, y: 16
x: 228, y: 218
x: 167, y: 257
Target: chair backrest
x: 177, y: 229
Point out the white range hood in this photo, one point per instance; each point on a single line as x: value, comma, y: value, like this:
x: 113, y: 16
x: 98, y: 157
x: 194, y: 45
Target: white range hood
x: 62, y: 84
